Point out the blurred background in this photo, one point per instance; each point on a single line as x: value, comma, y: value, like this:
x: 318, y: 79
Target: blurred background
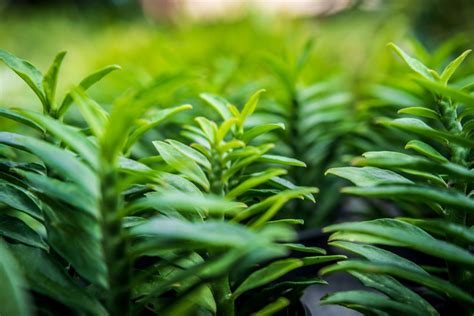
x: 219, y: 42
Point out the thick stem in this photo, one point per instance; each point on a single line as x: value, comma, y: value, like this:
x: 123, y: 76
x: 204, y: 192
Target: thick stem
x: 458, y: 274
x: 221, y: 286
x: 223, y: 295
x: 451, y: 123
x: 114, y: 244
x: 295, y: 139
x: 215, y: 176
x: 299, y: 175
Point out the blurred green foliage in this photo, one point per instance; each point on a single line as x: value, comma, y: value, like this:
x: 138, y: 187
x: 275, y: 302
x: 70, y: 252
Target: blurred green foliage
x: 233, y: 58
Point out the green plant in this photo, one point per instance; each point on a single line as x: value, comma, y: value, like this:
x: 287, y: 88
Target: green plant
x: 95, y: 231
x: 224, y: 161
x: 432, y: 183
x: 318, y: 118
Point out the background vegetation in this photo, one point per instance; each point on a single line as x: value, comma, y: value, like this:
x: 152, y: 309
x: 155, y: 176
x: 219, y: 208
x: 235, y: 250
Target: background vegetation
x: 335, y: 95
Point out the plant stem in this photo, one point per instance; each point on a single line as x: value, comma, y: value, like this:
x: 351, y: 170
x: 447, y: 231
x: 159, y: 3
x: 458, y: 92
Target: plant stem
x: 458, y: 273
x: 223, y: 295
x: 295, y: 139
x: 221, y: 286
x: 114, y: 244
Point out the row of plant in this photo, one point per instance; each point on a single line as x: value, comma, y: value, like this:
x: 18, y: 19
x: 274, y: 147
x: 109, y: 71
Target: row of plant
x: 192, y: 228
x: 431, y: 181
x: 109, y: 210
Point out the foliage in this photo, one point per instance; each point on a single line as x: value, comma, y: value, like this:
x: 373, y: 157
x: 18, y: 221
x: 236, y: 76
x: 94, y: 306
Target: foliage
x: 148, y: 205
x: 432, y: 182
x: 97, y: 231
x: 315, y: 117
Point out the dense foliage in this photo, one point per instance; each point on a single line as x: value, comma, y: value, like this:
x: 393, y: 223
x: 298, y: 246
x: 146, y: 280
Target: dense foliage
x: 432, y: 181
x: 210, y: 178
x: 192, y: 228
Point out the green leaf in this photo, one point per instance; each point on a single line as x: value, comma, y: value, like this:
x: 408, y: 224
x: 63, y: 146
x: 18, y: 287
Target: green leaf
x: 61, y: 191
x: 273, y: 307
x: 244, y: 153
x: 468, y: 127
x: 230, y: 145
x: 20, y: 199
x: 267, y: 274
x: 443, y: 228
x: 416, y: 65
x: 170, y: 233
x: 282, y: 160
x: 190, y: 302
x: 191, y: 153
x: 292, y: 221
x: 86, y: 256
x: 153, y: 120
x: 208, y: 127
x: 269, y: 214
x: 96, y: 76
x: 375, y: 254
x: 224, y: 128
x: 388, y: 95
x: 295, y: 283
x: 429, y: 177
x: 85, y: 84
x: 205, y: 296
x: 307, y: 261
x: 91, y: 111
x: 14, y: 115
x: 453, y: 66
x: 260, y: 207
x: 421, y: 128
x: 27, y: 72
x: 253, y: 182
x: 390, y: 159
x: 363, y: 238
x: 16, y: 229
x: 180, y: 162
x: 369, y: 176
x: 303, y: 248
x: 218, y: 103
x: 409, y: 236
x: 69, y: 135
x: 212, y: 268
x: 63, y: 162
x: 281, y: 70
x: 416, y: 193
x: 372, y: 301
x: 45, y: 276
x: 430, y: 281
x: 304, y: 55
x: 249, y: 107
x: 15, y: 299
x: 420, y: 111
x: 212, y: 205
x: 447, y: 91
x: 50, y: 79
x: 170, y: 180
x: 259, y: 130
x: 251, y: 156
x: 287, y: 185
x: 426, y: 150
x: 397, y: 291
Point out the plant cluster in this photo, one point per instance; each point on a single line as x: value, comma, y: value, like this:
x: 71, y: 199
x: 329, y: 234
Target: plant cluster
x: 432, y: 182
x: 97, y: 231
x: 110, y: 210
